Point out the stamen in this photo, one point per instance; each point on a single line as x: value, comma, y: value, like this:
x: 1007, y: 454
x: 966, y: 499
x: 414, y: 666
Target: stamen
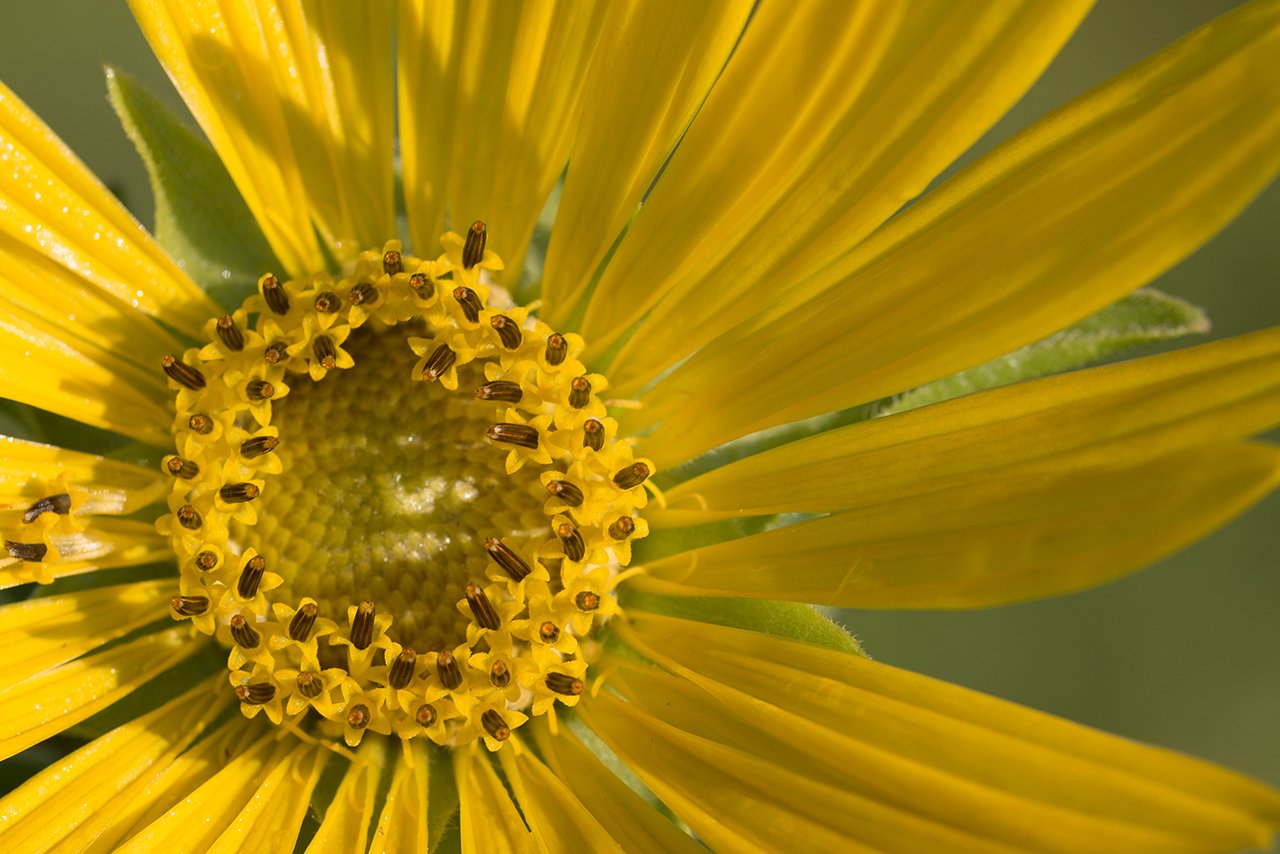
x: 504, y: 557
x: 391, y: 262
x: 60, y: 504
x: 557, y: 349
x: 448, y: 671
x: 259, y: 390
x: 229, y: 333
x: 631, y: 476
x: 200, y: 423
x: 402, y: 669
x: 473, y: 248
x: 592, y: 434
x: 364, y: 291
x: 358, y: 717
x: 189, y: 517
x: 244, y: 634
x: 499, y: 675
x: 579, y: 392
x: 276, y: 352
x: 500, y: 390
x: 508, y: 331
x: 310, y: 685
x: 302, y: 623
x: 624, y: 527
x: 549, y: 632
x: 587, y: 601
x: 257, y: 446
x: 563, y: 683
x: 468, y: 302
x: 426, y: 714
x: 238, y: 493
x: 178, y: 467
x: 495, y: 725
x: 182, y: 373
x: 362, y: 625
x: 324, y: 351
x: 571, y: 539
x: 514, y: 434
x: 440, y: 361
x: 422, y: 285
x: 274, y: 294
x: 189, y: 606
x: 257, y: 694
x: 251, y: 577
x: 206, y: 561
x: 482, y: 607
x: 567, y: 492
x: 327, y: 302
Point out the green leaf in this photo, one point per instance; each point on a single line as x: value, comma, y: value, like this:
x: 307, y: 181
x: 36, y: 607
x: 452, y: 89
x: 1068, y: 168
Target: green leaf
x: 442, y: 802
x: 201, y: 220
x: 1146, y: 316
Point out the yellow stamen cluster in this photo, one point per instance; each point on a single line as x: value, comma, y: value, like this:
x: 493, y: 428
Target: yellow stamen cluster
x: 538, y: 595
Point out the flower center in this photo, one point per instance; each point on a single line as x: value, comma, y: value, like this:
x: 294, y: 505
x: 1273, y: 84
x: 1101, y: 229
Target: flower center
x: 398, y: 500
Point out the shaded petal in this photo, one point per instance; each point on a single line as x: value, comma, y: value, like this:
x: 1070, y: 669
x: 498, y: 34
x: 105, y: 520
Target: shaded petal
x: 1005, y: 540
x: 271, y: 818
x: 489, y: 820
x: 106, y: 543
x: 29, y: 470
x: 1076, y: 211
x: 347, y: 818
x: 489, y: 101
x: 557, y: 818
x: 402, y: 826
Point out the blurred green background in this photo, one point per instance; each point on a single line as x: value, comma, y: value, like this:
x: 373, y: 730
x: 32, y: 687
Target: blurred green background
x: 1181, y: 655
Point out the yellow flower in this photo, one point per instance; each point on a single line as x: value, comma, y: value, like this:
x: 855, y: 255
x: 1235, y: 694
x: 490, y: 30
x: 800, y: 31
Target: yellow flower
x: 527, y: 577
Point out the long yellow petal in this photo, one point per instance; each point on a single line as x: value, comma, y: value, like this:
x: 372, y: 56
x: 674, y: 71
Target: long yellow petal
x: 106, y: 543
x: 556, y: 816
x: 993, y: 768
x: 489, y: 99
x: 296, y: 99
x: 46, y: 704
x: 402, y: 826
x: 30, y: 471
x: 655, y: 63
x: 1005, y: 540
x: 54, y: 212
x: 1081, y: 208
x: 828, y: 117
x: 271, y: 818
x: 1125, y: 413
x: 489, y: 820
x: 346, y: 821
x: 64, y: 796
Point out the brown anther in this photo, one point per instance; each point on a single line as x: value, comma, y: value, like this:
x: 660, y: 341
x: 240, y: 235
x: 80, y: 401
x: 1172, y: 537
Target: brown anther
x: 549, y: 632
x: 325, y: 352
x: 508, y: 331
x: 276, y: 352
x: 257, y: 446
x: 178, y: 467
x: 238, y: 493
x: 426, y: 715
x: 274, y: 294
x: 521, y: 435
x: 391, y: 262
x: 304, y: 619
x: 563, y: 683
x: 206, y: 560
x: 200, y: 423
x: 622, y: 528
x: 327, y: 302
x: 592, y: 434
x: 448, y: 671
x: 557, y: 349
x: 251, y: 576
x: 402, y: 669
x: 359, y: 717
x: 362, y: 625
x: 310, y: 685
x: 499, y: 675
x: 500, y: 390
x: 567, y: 492
x: 259, y: 390
x: 362, y: 293
x: 631, y: 476
x: 59, y: 504
x: 473, y: 247
x: 587, y: 600
x: 182, y: 373
x: 571, y: 540
x: 422, y: 285
x: 229, y: 334
x: 469, y: 302
x: 189, y: 517
x: 257, y: 694
x: 438, y: 363
x: 579, y: 392
x: 480, y: 605
x: 189, y: 606
x: 504, y: 557
x: 244, y: 634
x: 495, y: 725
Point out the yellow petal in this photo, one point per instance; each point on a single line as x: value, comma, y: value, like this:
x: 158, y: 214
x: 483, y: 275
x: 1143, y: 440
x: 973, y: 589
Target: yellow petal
x: 489, y: 100
x: 346, y: 821
x: 606, y: 798
x: 29, y: 470
x: 828, y: 117
x: 106, y: 543
x: 62, y: 797
x: 558, y: 819
x: 46, y: 704
x: 296, y: 99
x: 1081, y: 208
x: 1124, y: 413
x: 488, y: 819
x: 55, y: 213
x: 1005, y: 540
x: 271, y: 818
x: 402, y: 826
x: 992, y: 768
x: 653, y: 67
